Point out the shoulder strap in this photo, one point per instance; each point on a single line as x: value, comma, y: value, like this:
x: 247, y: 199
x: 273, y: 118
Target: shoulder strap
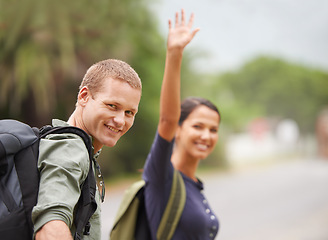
x: 173, y: 208
x: 86, y: 205
x: 3, y: 163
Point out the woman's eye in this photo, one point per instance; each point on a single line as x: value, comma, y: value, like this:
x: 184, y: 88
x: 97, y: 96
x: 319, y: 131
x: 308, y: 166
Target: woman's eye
x: 214, y: 130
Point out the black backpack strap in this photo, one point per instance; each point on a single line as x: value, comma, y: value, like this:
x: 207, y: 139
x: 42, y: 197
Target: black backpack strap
x: 86, y: 205
x: 7, y: 198
x: 3, y: 161
x: 173, y: 209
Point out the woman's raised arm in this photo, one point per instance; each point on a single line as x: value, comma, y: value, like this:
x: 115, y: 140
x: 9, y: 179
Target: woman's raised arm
x: 178, y: 37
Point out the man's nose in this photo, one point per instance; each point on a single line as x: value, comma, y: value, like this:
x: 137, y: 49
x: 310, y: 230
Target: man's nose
x: 119, y: 119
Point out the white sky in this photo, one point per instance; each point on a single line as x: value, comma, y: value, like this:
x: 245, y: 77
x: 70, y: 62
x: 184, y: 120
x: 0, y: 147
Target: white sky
x: 235, y: 31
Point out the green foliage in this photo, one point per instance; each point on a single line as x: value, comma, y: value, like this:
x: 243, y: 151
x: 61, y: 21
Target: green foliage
x: 274, y: 88
x: 46, y: 47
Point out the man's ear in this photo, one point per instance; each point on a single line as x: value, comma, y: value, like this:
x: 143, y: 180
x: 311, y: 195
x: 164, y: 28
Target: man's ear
x: 84, y: 96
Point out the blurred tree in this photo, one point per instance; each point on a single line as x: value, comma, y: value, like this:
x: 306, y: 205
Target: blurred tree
x: 272, y: 87
x: 46, y: 47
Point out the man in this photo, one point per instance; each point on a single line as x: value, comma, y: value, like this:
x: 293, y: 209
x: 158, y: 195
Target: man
x: 105, y: 109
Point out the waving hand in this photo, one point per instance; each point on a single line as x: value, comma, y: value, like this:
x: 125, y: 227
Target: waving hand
x: 181, y: 33
x: 178, y: 37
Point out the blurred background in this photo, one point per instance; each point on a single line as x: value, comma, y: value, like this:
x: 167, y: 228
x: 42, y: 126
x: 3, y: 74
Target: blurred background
x: 264, y: 63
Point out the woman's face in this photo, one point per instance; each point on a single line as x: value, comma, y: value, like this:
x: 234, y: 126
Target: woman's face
x: 198, y: 134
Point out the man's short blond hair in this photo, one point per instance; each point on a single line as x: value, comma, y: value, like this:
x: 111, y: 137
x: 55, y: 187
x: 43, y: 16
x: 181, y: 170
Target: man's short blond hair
x: 110, y: 68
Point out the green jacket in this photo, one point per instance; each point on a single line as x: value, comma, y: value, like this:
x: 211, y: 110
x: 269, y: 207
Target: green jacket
x: 63, y: 165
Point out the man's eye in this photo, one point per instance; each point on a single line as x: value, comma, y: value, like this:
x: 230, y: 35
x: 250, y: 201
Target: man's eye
x: 130, y: 113
x: 112, y: 106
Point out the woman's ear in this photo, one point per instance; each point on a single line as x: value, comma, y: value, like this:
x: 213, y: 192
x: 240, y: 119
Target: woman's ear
x: 178, y: 132
x: 83, y: 96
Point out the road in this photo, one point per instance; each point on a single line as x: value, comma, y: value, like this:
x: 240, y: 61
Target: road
x: 284, y: 201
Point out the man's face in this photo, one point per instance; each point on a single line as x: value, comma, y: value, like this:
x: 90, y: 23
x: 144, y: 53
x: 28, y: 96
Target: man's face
x: 109, y: 114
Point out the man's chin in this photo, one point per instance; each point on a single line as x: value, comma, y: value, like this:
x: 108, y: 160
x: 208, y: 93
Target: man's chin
x: 110, y: 143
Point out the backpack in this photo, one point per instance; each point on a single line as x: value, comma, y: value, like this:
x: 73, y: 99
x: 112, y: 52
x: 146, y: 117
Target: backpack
x: 131, y: 221
x: 19, y: 179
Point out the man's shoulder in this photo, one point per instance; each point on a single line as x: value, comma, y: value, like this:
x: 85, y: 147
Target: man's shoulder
x: 59, y: 123
x: 64, y: 149
x: 68, y: 141
x: 64, y: 135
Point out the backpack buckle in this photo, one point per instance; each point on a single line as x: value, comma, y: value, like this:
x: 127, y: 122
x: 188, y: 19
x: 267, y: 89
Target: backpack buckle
x: 87, y: 229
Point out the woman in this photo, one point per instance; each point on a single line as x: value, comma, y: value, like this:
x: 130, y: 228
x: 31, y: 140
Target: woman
x: 181, y: 143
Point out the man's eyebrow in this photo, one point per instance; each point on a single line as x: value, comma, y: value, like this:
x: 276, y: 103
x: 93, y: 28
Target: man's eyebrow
x: 135, y: 110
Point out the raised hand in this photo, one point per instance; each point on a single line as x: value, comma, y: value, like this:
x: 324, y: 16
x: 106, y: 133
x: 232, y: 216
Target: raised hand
x: 178, y: 37
x: 180, y: 34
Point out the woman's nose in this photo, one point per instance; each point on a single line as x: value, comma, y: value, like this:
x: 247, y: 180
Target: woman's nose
x: 205, y: 134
